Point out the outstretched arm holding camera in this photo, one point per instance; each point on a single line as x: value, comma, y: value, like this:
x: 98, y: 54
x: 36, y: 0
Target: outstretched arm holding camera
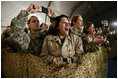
x: 18, y: 25
x: 24, y: 41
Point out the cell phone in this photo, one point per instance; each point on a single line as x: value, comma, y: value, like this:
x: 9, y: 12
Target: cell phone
x: 44, y: 10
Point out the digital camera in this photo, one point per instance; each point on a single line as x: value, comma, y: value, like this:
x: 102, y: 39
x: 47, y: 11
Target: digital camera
x: 62, y: 61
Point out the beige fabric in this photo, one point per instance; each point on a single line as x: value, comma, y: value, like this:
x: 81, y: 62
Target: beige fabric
x: 53, y: 47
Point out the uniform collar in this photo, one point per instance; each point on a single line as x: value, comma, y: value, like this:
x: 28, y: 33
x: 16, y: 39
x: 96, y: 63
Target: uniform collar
x: 57, y: 39
x: 38, y: 35
x: 73, y: 30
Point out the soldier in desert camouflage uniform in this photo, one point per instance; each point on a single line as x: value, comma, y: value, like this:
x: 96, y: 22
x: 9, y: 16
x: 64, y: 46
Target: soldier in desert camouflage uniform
x: 61, y: 43
x: 76, y: 24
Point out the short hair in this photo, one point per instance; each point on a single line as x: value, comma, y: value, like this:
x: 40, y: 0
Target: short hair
x: 103, y: 20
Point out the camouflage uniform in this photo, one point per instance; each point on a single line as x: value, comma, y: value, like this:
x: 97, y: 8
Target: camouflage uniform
x: 89, y: 47
x: 105, y: 30
x: 53, y: 47
x: 75, y: 32
x: 25, y: 42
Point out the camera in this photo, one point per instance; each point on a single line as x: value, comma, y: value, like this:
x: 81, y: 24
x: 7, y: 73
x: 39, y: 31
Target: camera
x: 62, y: 61
x: 44, y: 10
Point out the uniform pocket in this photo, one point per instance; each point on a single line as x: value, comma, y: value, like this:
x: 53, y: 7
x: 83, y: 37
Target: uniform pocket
x: 53, y: 48
x: 71, y: 52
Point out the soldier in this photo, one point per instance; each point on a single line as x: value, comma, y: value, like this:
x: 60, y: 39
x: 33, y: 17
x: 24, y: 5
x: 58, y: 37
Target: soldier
x: 105, y: 28
x: 28, y: 42
x: 44, y: 26
x: 61, y: 44
x: 76, y: 24
x: 90, y: 41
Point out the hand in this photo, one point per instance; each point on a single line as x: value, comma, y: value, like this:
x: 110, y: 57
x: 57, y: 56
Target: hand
x: 34, y: 8
x: 99, y: 37
x: 50, y: 11
x: 99, y: 40
x: 55, y: 62
x: 68, y: 65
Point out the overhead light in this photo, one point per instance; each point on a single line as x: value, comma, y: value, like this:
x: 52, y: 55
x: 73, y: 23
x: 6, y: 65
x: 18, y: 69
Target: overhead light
x: 114, y: 23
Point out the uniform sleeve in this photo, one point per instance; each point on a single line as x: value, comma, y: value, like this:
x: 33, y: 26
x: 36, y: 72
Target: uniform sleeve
x: 78, y: 51
x: 89, y: 47
x: 52, y: 17
x: 45, y: 54
x: 17, y: 33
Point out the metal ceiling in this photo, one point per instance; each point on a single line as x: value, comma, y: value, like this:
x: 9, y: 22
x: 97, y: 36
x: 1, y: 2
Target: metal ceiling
x: 93, y: 11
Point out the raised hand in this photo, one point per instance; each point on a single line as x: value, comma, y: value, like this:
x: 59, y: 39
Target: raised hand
x: 50, y: 11
x: 33, y: 8
x: 99, y: 40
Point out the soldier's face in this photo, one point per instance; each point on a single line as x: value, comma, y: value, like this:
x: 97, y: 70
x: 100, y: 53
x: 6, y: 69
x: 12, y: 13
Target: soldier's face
x: 104, y: 22
x: 64, y: 26
x: 91, y: 29
x: 34, y: 24
x: 79, y: 22
x: 44, y: 26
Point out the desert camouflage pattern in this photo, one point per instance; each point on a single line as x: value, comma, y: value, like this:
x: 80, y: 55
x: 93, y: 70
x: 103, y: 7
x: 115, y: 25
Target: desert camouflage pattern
x: 53, y: 47
x: 75, y: 32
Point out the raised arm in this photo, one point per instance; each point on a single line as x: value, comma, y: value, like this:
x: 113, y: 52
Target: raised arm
x: 18, y: 25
